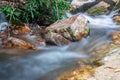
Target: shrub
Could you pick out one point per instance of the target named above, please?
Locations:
(44, 12)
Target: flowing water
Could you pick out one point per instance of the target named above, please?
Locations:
(49, 62)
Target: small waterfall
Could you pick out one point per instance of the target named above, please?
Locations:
(3, 22)
(99, 21)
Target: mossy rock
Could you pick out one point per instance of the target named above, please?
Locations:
(97, 11)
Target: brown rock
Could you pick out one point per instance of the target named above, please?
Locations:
(31, 33)
(117, 19)
(82, 73)
(79, 3)
(116, 37)
(13, 42)
(35, 40)
(21, 29)
(111, 68)
(99, 8)
(71, 29)
(57, 39)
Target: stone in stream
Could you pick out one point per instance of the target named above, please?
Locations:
(56, 39)
(94, 7)
(13, 42)
(67, 30)
(117, 19)
(100, 8)
(115, 37)
(79, 3)
(20, 29)
(30, 35)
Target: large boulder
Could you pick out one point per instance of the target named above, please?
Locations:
(66, 30)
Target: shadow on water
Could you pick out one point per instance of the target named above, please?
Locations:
(16, 64)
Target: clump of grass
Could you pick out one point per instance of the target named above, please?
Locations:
(44, 12)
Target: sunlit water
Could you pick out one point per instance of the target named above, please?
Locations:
(54, 59)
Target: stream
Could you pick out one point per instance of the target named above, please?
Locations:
(49, 62)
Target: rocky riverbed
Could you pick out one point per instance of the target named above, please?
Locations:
(85, 46)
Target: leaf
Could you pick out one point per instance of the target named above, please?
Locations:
(17, 14)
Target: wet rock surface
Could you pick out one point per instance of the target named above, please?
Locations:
(117, 19)
(111, 68)
(12, 42)
(79, 3)
(71, 29)
(100, 8)
(79, 74)
(94, 6)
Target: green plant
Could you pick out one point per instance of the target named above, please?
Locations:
(44, 12)
(11, 13)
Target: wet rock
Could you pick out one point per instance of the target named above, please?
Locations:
(115, 37)
(35, 40)
(71, 29)
(93, 6)
(13, 42)
(111, 67)
(100, 8)
(30, 33)
(79, 3)
(82, 73)
(57, 39)
(117, 19)
(20, 29)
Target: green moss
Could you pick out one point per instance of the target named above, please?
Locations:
(97, 11)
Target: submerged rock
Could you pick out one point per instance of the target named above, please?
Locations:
(71, 29)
